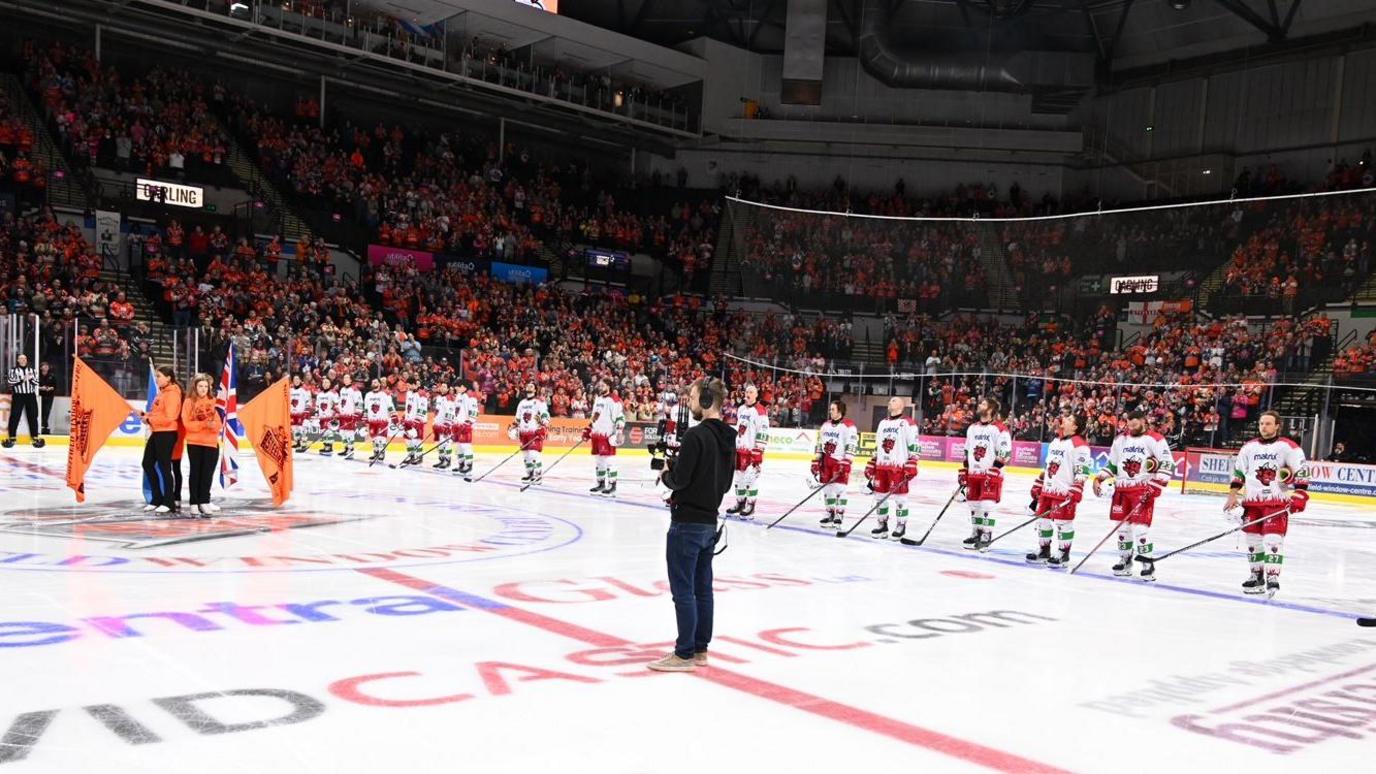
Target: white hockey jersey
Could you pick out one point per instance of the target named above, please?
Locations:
(987, 446)
(531, 415)
(1135, 459)
(350, 402)
(838, 440)
(446, 410)
(1067, 464)
(301, 400)
(378, 407)
(417, 406)
(607, 416)
(1257, 470)
(326, 404)
(468, 410)
(752, 427)
(895, 442)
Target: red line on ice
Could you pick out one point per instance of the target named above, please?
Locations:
(936, 741)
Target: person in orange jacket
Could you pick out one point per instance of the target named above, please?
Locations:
(163, 419)
(203, 423)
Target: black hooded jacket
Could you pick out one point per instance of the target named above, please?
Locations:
(702, 473)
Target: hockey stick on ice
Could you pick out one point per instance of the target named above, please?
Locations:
(1041, 515)
(384, 448)
(556, 462)
(1151, 560)
(394, 465)
(872, 509)
(810, 495)
(923, 539)
(1117, 525)
(493, 469)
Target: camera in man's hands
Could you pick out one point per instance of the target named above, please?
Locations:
(669, 431)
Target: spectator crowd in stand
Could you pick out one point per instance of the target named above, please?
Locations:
(159, 124)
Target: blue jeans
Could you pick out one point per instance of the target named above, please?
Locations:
(688, 551)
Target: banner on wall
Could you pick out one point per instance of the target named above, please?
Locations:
(792, 440)
(517, 274)
(467, 266)
(109, 240)
(380, 255)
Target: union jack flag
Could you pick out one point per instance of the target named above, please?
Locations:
(232, 431)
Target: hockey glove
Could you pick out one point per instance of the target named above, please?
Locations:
(1298, 500)
(1157, 487)
(1077, 491)
(817, 471)
(614, 440)
(1036, 491)
(587, 433)
(511, 433)
(963, 478)
(1099, 485)
(910, 470)
(842, 473)
(756, 458)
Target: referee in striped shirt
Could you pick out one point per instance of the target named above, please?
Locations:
(23, 383)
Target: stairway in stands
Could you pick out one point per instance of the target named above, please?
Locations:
(1002, 289)
(726, 269)
(257, 184)
(65, 188)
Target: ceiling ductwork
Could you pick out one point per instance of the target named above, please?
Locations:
(1020, 72)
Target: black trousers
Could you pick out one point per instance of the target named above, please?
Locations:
(28, 406)
(46, 402)
(157, 465)
(201, 471)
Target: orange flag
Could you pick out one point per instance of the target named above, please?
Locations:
(267, 425)
(96, 411)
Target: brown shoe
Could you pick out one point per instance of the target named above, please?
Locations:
(672, 663)
(700, 658)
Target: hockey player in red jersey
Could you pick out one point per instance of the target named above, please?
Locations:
(893, 467)
(1140, 463)
(1058, 490)
(836, 446)
(988, 447)
(1270, 478)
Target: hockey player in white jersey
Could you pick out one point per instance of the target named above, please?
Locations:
(351, 415)
(446, 414)
(464, 422)
(1140, 464)
(752, 437)
(608, 419)
(892, 468)
(988, 447)
(530, 429)
(301, 400)
(413, 423)
(1270, 479)
(837, 441)
(1058, 490)
(378, 411)
(326, 417)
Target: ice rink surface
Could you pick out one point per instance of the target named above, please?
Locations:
(403, 620)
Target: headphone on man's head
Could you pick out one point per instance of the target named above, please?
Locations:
(704, 393)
